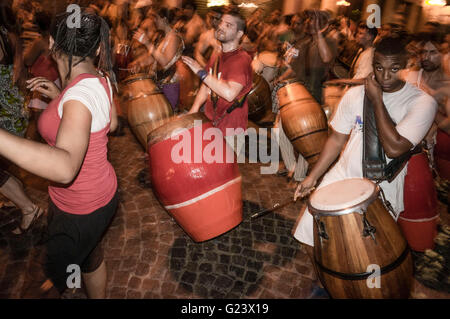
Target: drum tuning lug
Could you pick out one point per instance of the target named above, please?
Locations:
(368, 229)
(322, 231)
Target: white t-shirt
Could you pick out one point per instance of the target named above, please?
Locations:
(92, 94)
(410, 108)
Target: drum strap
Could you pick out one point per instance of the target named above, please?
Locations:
(374, 160)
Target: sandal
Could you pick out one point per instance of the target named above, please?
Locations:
(38, 213)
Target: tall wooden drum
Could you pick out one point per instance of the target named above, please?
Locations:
(332, 95)
(358, 248)
(304, 120)
(259, 99)
(146, 105)
(196, 179)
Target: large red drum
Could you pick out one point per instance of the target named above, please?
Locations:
(195, 176)
(419, 219)
(442, 154)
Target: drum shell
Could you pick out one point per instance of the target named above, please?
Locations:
(419, 219)
(332, 95)
(189, 85)
(348, 251)
(442, 154)
(204, 198)
(304, 121)
(259, 99)
(145, 105)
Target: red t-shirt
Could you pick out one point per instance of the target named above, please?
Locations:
(236, 67)
(96, 182)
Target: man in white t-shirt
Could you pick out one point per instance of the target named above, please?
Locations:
(403, 115)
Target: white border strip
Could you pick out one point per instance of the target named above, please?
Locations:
(419, 220)
(203, 196)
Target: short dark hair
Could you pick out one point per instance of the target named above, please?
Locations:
(391, 46)
(433, 37)
(240, 20)
(189, 3)
(43, 20)
(372, 31)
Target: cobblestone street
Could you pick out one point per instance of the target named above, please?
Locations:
(149, 256)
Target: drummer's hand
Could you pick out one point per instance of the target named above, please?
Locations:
(44, 86)
(305, 187)
(373, 89)
(141, 37)
(194, 65)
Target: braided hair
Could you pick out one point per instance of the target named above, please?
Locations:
(83, 41)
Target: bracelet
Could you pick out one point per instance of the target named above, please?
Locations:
(202, 74)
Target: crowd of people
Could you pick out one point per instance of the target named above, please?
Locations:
(60, 100)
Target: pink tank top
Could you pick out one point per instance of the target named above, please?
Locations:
(96, 182)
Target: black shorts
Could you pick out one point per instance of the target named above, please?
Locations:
(75, 239)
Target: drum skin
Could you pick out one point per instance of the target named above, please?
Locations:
(304, 121)
(348, 252)
(204, 198)
(419, 219)
(146, 105)
(259, 99)
(442, 154)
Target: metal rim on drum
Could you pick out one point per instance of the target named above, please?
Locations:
(358, 207)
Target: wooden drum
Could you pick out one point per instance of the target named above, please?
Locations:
(332, 95)
(146, 105)
(203, 194)
(304, 121)
(358, 248)
(259, 99)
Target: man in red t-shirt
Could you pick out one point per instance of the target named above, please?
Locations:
(231, 83)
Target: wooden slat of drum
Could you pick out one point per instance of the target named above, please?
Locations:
(145, 113)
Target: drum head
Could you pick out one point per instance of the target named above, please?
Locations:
(342, 194)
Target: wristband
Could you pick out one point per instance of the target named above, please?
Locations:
(202, 74)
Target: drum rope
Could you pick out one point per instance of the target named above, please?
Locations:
(387, 203)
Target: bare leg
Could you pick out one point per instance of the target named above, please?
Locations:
(95, 282)
(13, 190)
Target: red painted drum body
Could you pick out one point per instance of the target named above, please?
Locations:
(203, 195)
(442, 154)
(419, 219)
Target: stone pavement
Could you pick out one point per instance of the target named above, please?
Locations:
(149, 256)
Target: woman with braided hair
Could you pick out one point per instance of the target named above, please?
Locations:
(83, 197)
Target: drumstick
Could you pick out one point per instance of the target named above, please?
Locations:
(265, 211)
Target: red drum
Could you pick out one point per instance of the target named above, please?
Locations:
(419, 219)
(202, 194)
(442, 154)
